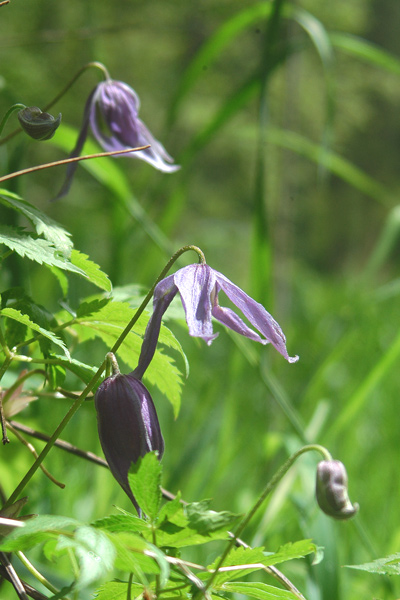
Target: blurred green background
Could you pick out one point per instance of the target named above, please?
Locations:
(296, 202)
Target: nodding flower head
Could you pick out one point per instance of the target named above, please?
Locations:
(128, 425)
(331, 490)
(38, 125)
(199, 287)
(112, 113)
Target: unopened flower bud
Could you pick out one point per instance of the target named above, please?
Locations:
(37, 124)
(331, 490)
(128, 425)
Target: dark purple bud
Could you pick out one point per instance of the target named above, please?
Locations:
(37, 124)
(331, 490)
(128, 425)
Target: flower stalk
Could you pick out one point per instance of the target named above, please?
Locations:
(264, 494)
(92, 383)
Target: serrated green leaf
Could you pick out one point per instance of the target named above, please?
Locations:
(16, 315)
(290, 551)
(95, 552)
(116, 523)
(259, 590)
(44, 225)
(109, 322)
(117, 590)
(203, 520)
(381, 566)
(145, 480)
(174, 530)
(36, 249)
(236, 558)
(90, 270)
(36, 530)
(82, 370)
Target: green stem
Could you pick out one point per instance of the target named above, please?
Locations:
(129, 589)
(96, 65)
(36, 573)
(8, 114)
(79, 401)
(267, 490)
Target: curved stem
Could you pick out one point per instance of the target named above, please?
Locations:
(9, 113)
(92, 383)
(267, 490)
(96, 65)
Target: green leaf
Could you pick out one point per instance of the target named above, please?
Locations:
(175, 531)
(12, 313)
(236, 558)
(117, 590)
(131, 555)
(82, 370)
(95, 552)
(370, 53)
(203, 520)
(381, 566)
(125, 522)
(44, 225)
(36, 249)
(290, 551)
(90, 270)
(109, 322)
(249, 560)
(145, 480)
(36, 530)
(259, 590)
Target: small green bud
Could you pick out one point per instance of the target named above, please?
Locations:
(331, 490)
(37, 124)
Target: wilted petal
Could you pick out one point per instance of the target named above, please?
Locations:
(195, 284)
(256, 314)
(128, 425)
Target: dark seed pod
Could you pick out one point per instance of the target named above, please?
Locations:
(128, 425)
(37, 124)
(331, 490)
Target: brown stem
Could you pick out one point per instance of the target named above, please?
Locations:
(66, 161)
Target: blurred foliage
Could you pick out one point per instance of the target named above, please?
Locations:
(334, 254)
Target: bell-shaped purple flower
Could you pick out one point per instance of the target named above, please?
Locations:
(112, 113)
(199, 286)
(128, 425)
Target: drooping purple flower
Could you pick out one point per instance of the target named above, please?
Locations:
(112, 113)
(199, 286)
(128, 425)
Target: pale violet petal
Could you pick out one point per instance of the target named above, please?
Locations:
(256, 314)
(195, 284)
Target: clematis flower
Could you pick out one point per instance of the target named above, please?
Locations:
(128, 425)
(331, 490)
(199, 286)
(111, 112)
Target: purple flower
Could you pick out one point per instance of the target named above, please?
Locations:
(128, 425)
(199, 287)
(112, 111)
